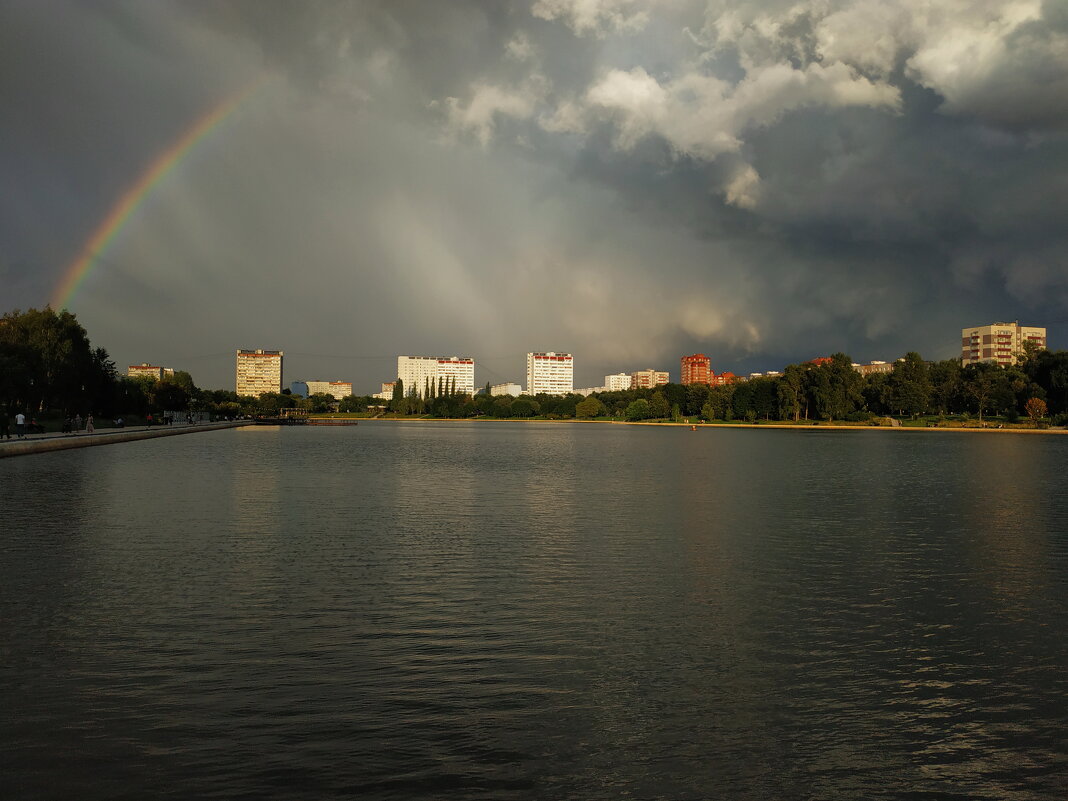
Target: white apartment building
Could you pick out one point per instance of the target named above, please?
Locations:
(387, 391)
(617, 382)
(419, 372)
(587, 391)
(550, 372)
(259, 371)
(506, 389)
(1000, 343)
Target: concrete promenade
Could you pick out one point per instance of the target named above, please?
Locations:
(43, 443)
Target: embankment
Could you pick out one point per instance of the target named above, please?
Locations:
(62, 442)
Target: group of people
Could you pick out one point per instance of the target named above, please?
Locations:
(72, 424)
(22, 428)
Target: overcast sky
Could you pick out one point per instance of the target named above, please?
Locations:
(628, 180)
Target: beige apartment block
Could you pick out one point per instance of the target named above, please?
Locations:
(144, 369)
(339, 389)
(648, 379)
(999, 343)
(259, 371)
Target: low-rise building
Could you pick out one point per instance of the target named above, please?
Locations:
(146, 370)
(874, 368)
(496, 390)
(587, 391)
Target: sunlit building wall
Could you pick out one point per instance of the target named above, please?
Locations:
(999, 343)
(617, 382)
(259, 371)
(647, 379)
(417, 372)
(696, 369)
(550, 373)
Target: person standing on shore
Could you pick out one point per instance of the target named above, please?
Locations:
(20, 424)
(77, 422)
(89, 428)
(5, 432)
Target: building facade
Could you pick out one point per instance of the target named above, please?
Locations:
(514, 390)
(550, 373)
(259, 371)
(617, 382)
(146, 370)
(648, 379)
(420, 373)
(387, 391)
(874, 368)
(696, 369)
(999, 343)
(338, 389)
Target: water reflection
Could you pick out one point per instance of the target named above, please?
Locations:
(517, 611)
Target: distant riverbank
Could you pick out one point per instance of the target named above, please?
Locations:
(776, 426)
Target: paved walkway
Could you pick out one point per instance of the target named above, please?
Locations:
(55, 441)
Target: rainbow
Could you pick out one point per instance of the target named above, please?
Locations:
(119, 215)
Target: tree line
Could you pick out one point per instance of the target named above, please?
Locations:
(47, 363)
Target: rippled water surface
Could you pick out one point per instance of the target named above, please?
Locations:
(506, 611)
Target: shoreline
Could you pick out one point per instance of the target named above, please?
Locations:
(46, 443)
(774, 426)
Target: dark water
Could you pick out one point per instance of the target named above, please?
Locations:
(510, 611)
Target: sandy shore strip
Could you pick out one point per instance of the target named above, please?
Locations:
(777, 426)
(43, 443)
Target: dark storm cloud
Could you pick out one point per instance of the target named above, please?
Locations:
(629, 180)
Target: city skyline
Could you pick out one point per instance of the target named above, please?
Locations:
(636, 180)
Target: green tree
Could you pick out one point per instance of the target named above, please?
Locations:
(590, 407)
(524, 407)
(397, 402)
(910, 385)
(638, 410)
(658, 406)
(790, 390)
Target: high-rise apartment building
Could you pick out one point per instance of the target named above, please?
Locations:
(550, 373)
(648, 379)
(259, 371)
(696, 369)
(1000, 343)
(420, 373)
(617, 382)
(144, 369)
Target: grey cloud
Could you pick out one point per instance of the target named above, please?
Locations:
(627, 180)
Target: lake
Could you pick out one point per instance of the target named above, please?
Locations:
(510, 611)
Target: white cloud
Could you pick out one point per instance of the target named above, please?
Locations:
(743, 189)
(597, 17)
(487, 102)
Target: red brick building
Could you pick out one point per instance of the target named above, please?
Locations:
(696, 369)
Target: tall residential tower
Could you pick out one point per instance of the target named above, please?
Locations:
(259, 371)
(550, 372)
